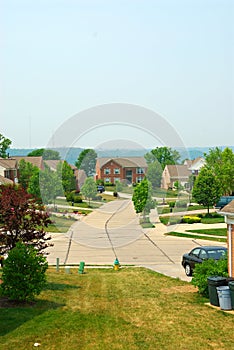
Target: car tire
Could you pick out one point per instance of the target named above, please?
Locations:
(188, 270)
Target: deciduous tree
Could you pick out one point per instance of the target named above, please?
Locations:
(222, 165)
(164, 155)
(206, 189)
(154, 173)
(22, 219)
(47, 154)
(4, 145)
(142, 197)
(89, 189)
(65, 172)
(87, 161)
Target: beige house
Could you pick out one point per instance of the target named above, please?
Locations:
(8, 170)
(174, 173)
(181, 173)
(196, 165)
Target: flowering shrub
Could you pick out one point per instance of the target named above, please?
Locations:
(191, 219)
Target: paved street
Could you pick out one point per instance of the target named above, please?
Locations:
(113, 230)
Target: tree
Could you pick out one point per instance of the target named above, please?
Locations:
(23, 274)
(154, 173)
(4, 145)
(206, 189)
(22, 219)
(50, 185)
(65, 173)
(33, 185)
(142, 197)
(87, 161)
(164, 155)
(47, 154)
(89, 189)
(221, 163)
(26, 170)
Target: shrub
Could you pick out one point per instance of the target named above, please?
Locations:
(172, 204)
(191, 219)
(181, 204)
(175, 220)
(73, 197)
(23, 273)
(209, 268)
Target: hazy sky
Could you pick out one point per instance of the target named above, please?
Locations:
(61, 57)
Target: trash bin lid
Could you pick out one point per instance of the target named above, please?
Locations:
(231, 285)
(223, 288)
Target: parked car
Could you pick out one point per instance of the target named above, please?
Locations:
(199, 254)
(100, 188)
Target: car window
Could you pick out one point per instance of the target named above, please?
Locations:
(195, 252)
(216, 254)
(203, 254)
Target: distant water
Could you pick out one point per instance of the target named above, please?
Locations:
(71, 154)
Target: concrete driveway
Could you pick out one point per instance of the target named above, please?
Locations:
(114, 231)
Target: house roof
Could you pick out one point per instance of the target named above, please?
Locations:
(229, 208)
(5, 181)
(8, 163)
(129, 162)
(178, 171)
(52, 164)
(36, 161)
(197, 163)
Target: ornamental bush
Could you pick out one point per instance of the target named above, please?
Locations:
(23, 273)
(191, 219)
(181, 204)
(209, 268)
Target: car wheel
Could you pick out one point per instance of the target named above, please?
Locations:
(188, 270)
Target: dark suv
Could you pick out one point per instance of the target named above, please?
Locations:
(199, 254)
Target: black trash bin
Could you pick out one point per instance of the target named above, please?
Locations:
(231, 288)
(214, 282)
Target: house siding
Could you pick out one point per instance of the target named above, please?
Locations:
(129, 173)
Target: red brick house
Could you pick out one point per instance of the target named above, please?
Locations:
(131, 169)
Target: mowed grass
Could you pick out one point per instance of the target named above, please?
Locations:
(196, 236)
(132, 308)
(211, 231)
(60, 224)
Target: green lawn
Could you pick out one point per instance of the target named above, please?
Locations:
(204, 220)
(129, 309)
(212, 231)
(187, 235)
(60, 224)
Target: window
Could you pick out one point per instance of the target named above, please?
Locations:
(117, 171)
(203, 255)
(7, 174)
(107, 179)
(195, 252)
(139, 179)
(140, 171)
(107, 171)
(116, 179)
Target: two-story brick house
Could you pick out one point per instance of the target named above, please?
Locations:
(131, 169)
